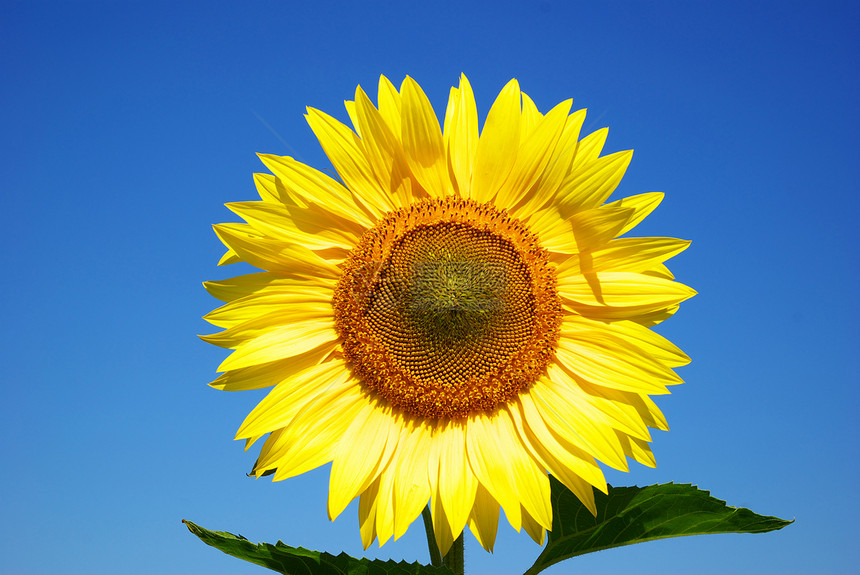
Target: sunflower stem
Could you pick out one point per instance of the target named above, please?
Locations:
(435, 555)
(455, 559)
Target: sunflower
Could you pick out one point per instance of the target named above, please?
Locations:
(453, 319)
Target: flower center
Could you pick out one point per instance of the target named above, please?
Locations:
(447, 308)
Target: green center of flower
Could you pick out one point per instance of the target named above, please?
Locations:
(447, 289)
(447, 308)
(451, 299)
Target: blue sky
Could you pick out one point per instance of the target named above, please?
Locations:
(124, 127)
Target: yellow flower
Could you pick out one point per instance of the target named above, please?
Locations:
(453, 319)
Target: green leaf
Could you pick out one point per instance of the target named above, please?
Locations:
(298, 561)
(628, 515)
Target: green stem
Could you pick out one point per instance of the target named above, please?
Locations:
(435, 555)
(455, 559)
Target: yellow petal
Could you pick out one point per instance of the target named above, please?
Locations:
(641, 204)
(246, 322)
(269, 190)
(564, 418)
(242, 286)
(603, 405)
(533, 528)
(229, 257)
(239, 332)
(389, 104)
(559, 165)
(456, 484)
(484, 518)
(279, 343)
(595, 227)
(432, 445)
(385, 503)
(272, 373)
(556, 233)
(589, 185)
(530, 116)
(383, 150)
(276, 255)
(498, 144)
(273, 441)
(633, 333)
(561, 458)
(367, 509)
(271, 300)
(655, 417)
(504, 467)
(660, 271)
(343, 148)
(486, 451)
(621, 294)
(611, 362)
(242, 229)
(289, 397)
(411, 485)
(441, 527)
(312, 437)
(311, 229)
(557, 459)
(366, 447)
(453, 102)
(534, 155)
(647, 318)
(463, 137)
(422, 140)
(589, 149)
(629, 255)
(312, 186)
(638, 450)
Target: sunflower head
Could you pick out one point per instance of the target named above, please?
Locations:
(447, 308)
(454, 318)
